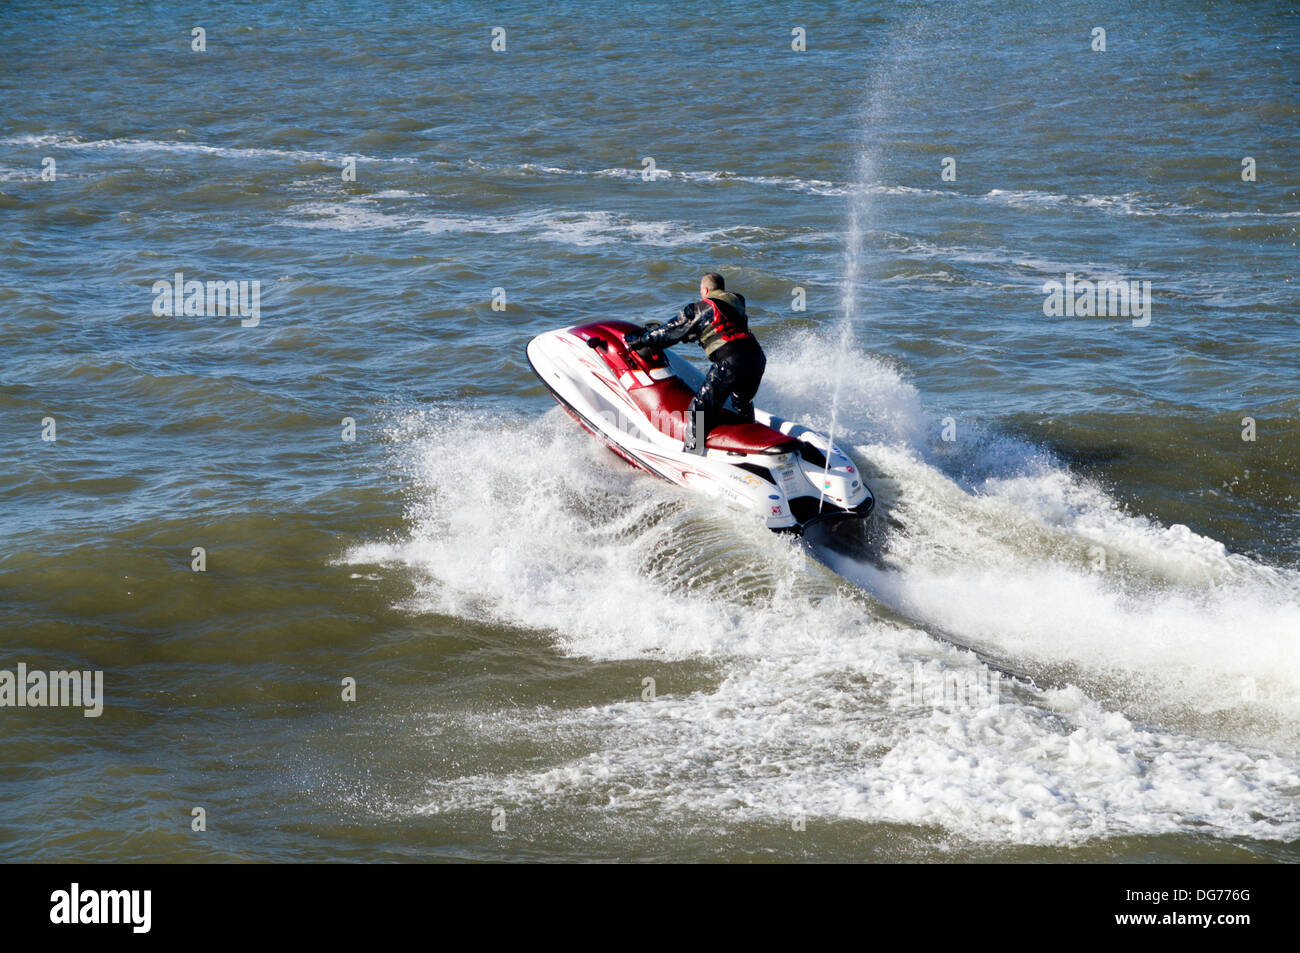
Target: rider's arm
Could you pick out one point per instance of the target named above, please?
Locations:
(678, 329)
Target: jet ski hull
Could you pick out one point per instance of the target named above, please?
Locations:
(789, 475)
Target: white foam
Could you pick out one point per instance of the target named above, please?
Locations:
(534, 525)
(1126, 203)
(60, 141)
(1024, 559)
(1044, 570)
(567, 227)
(706, 176)
(777, 741)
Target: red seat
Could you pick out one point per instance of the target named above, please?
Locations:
(665, 403)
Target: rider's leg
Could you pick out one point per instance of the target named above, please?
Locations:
(749, 374)
(717, 384)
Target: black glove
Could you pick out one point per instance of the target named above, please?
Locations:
(631, 339)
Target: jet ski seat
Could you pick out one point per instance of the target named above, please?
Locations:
(665, 403)
(664, 397)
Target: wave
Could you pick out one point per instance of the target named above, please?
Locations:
(71, 142)
(1024, 558)
(1128, 204)
(791, 183)
(8, 174)
(566, 227)
(814, 709)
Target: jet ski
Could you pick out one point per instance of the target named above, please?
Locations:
(637, 402)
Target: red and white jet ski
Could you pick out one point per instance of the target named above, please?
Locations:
(788, 474)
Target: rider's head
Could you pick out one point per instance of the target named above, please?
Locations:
(711, 282)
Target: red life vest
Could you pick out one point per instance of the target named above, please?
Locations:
(724, 328)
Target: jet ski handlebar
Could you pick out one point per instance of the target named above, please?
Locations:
(598, 343)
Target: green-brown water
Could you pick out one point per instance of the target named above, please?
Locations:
(500, 587)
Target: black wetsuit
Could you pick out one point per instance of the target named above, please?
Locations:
(721, 327)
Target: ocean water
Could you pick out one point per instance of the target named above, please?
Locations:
(1096, 548)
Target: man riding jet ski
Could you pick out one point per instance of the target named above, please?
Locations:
(719, 324)
(636, 399)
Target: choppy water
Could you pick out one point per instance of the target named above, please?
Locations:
(1098, 532)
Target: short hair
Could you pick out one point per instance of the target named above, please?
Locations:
(713, 282)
